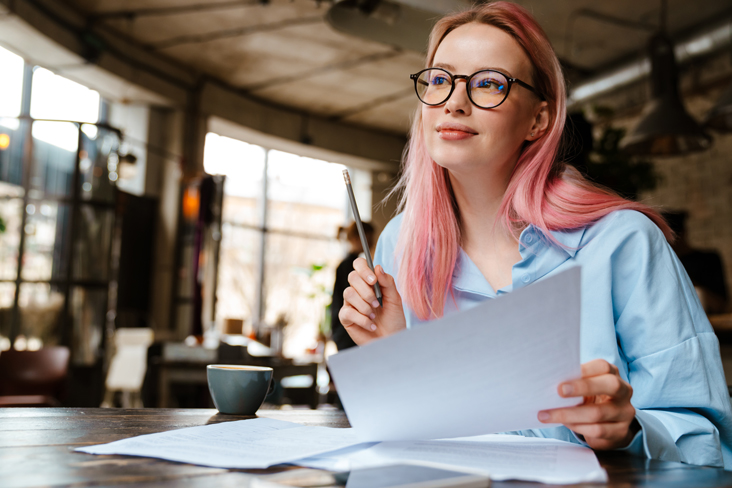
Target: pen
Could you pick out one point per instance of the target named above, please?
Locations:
(362, 234)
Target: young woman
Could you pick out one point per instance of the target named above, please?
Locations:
(488, 208)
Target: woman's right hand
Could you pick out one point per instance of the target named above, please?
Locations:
(361, 315)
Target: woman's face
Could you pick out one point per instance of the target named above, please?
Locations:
(464, 138)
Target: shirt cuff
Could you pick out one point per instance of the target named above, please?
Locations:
(655, 440)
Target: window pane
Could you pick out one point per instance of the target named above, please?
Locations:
(11, 154)
(305, 195)
(243, 165)
(94, 237)
(58, 98)
(47, 238)
(10, 220)
(11, 83)
(238, 273)
(41, 306)
(88, 310)
(7, 296)
(296, 289)
(98, 163)
(54, 157)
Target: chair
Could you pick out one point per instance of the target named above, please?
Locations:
(128, 366)
(33, 378)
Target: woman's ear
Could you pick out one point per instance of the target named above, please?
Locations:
(541, 122)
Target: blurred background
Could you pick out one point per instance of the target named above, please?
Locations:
(170, 172)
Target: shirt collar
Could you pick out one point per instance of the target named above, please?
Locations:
(540, 256)
(569, 239)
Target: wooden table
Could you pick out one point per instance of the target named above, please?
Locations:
(36, 449)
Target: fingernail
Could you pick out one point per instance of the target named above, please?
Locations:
(567, 389)
(375, 303)
(371, 278)
(372, 316)
(543, 416)
(373, 327)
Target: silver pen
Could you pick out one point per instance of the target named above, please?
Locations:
(362, 234)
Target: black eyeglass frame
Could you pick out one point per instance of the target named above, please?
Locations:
(467, 79)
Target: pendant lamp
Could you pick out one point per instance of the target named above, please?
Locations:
(665, 128)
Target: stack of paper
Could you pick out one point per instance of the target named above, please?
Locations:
(485, 370)
(242, 444)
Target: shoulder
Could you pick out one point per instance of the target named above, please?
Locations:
(623, 227)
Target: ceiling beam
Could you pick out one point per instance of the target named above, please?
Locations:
(238, 32)
(343, 65)
(181, 9)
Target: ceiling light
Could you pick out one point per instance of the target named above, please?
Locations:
(665, 128)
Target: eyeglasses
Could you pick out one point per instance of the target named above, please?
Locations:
(486, 89)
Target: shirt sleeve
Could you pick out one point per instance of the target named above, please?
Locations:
(671, 352)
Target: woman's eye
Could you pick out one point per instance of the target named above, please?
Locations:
(439, 80)
(488, 83)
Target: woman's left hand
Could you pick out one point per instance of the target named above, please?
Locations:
(605, 419)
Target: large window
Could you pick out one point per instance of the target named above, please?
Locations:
(279, 253)
(57, 174)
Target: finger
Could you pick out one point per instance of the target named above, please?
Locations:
(606, 384)
(585, 414)
(350, 317)
(352, 298)
(597, 367)
(609, 431)
(364, 290)
(386, 281)
(359, 335)
(362, 268)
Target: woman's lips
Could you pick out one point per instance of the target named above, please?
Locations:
(454, 132)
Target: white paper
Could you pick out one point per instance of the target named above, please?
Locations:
(502, 457)
(488, 369)
(255, 443)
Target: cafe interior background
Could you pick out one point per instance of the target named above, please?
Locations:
(170, 171)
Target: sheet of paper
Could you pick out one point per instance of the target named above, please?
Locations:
(481, 371)
(255, 443)
(502, 457)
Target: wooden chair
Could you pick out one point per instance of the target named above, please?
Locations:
(33, 378)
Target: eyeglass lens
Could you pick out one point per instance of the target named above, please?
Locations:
(487, 88)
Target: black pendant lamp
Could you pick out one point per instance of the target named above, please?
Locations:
(665, 128)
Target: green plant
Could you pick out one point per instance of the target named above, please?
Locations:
(2, 225)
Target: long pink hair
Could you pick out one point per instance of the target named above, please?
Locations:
(542, 190)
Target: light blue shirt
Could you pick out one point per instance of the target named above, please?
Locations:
(639, 312)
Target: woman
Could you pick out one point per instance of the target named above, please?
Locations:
(488, 208)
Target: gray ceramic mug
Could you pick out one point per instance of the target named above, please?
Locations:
(238, 390)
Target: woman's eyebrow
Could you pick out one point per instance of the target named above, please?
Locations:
(452, 69)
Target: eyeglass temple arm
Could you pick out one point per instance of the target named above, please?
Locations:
(528, 87)
(418, 79)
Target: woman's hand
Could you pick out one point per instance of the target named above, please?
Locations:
(361, 315)
(606, 419)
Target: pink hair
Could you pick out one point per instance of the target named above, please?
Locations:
(542, 190)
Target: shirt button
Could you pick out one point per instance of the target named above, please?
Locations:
(526, 278)
(528, 239)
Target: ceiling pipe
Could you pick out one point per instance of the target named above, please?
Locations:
(709, 40)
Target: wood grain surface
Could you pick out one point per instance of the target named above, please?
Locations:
(36, 450)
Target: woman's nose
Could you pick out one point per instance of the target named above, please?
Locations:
(459, 102)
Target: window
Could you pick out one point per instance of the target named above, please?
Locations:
(279, 255)
(46, 267)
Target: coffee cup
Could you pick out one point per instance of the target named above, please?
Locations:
(238, 390)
